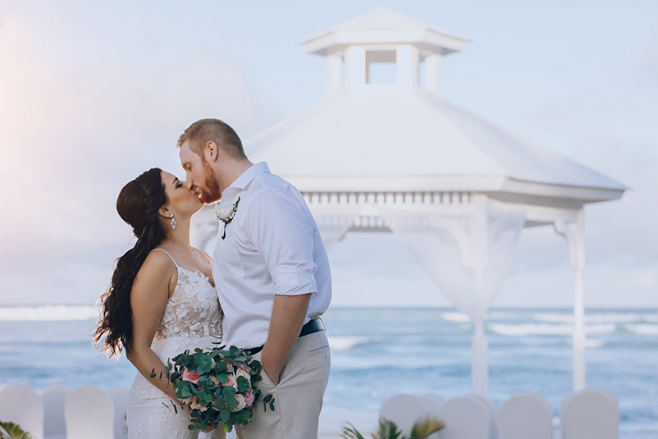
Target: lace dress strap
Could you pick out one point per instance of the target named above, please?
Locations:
(172, 258)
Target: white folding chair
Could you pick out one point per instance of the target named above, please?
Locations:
(466, 418)
(404, 410)
(53, 399)
(525, 415)
(119, 397)
(604, 391)
(89, 414)
(491, 408)
(590, 414)
(22, 406)
(433, 403)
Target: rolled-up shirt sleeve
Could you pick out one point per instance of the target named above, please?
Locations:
(279, 228)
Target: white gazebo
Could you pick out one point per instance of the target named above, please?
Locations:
(456, 189)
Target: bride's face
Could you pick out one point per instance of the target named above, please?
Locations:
(182, 199)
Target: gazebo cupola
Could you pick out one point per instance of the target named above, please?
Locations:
(383, 51)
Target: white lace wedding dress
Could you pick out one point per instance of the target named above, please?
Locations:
(192, 319)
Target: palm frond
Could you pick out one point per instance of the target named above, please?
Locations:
(425, 427)
(350, 432)
(386, 430)
(9, 430)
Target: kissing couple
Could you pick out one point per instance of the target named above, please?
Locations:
(263, 290)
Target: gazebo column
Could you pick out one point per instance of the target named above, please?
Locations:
(576, 239)
(479, 342)
(433, 73)
(334, 73)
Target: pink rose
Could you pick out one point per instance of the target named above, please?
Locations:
(190, 376)
(231, 382)
(196, 406)
(239, 366)
(249, 398)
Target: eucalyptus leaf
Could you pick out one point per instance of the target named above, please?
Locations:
(243, 384)
(228, 392)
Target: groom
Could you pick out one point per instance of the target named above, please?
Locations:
(271, 274)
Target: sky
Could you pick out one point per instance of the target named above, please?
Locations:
(94, 93)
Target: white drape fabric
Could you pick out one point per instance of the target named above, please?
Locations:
(333, 229)
(467, 255)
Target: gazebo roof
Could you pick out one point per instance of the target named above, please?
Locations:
(383, 25)
(415, 138)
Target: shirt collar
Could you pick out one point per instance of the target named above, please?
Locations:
(243, 181)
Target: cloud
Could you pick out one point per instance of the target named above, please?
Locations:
(72, 134)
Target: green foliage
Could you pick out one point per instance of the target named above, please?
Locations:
(216, 399)
(243, 384)
(388, 430)
(9, 430)
(425, 428)
(351, 432)
(268, 401)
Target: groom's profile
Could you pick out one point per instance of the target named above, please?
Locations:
(272, 277)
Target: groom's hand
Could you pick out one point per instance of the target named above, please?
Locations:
(288, 315)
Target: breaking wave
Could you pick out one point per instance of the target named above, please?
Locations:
(546, 329)
(593, 318)
(455, 317)
(643, 329)
(346, 343)
(47, 313)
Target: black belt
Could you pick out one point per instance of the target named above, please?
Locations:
(314, 325)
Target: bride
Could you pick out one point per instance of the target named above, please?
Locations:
(161, 301)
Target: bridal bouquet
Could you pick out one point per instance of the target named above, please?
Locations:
(219, 386)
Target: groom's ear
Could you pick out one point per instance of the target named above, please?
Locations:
(211, 152)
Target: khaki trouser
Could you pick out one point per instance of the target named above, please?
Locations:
(298, 396)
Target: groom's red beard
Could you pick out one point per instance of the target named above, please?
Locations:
(211, 193)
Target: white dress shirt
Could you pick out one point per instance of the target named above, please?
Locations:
(272, 247)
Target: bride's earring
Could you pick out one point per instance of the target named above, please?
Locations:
(173, 221)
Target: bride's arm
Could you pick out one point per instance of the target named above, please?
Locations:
(148, 298)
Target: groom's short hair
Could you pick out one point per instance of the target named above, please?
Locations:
(205, 130)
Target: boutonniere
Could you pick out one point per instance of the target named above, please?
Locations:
(225, 212)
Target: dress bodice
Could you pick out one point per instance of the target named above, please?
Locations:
(192, 310)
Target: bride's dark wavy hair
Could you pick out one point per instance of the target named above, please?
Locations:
(138, 204)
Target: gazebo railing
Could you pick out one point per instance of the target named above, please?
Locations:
(386, 198)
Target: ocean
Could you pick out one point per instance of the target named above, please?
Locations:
(378, 352)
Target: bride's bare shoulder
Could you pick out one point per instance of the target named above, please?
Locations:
(157, 263)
